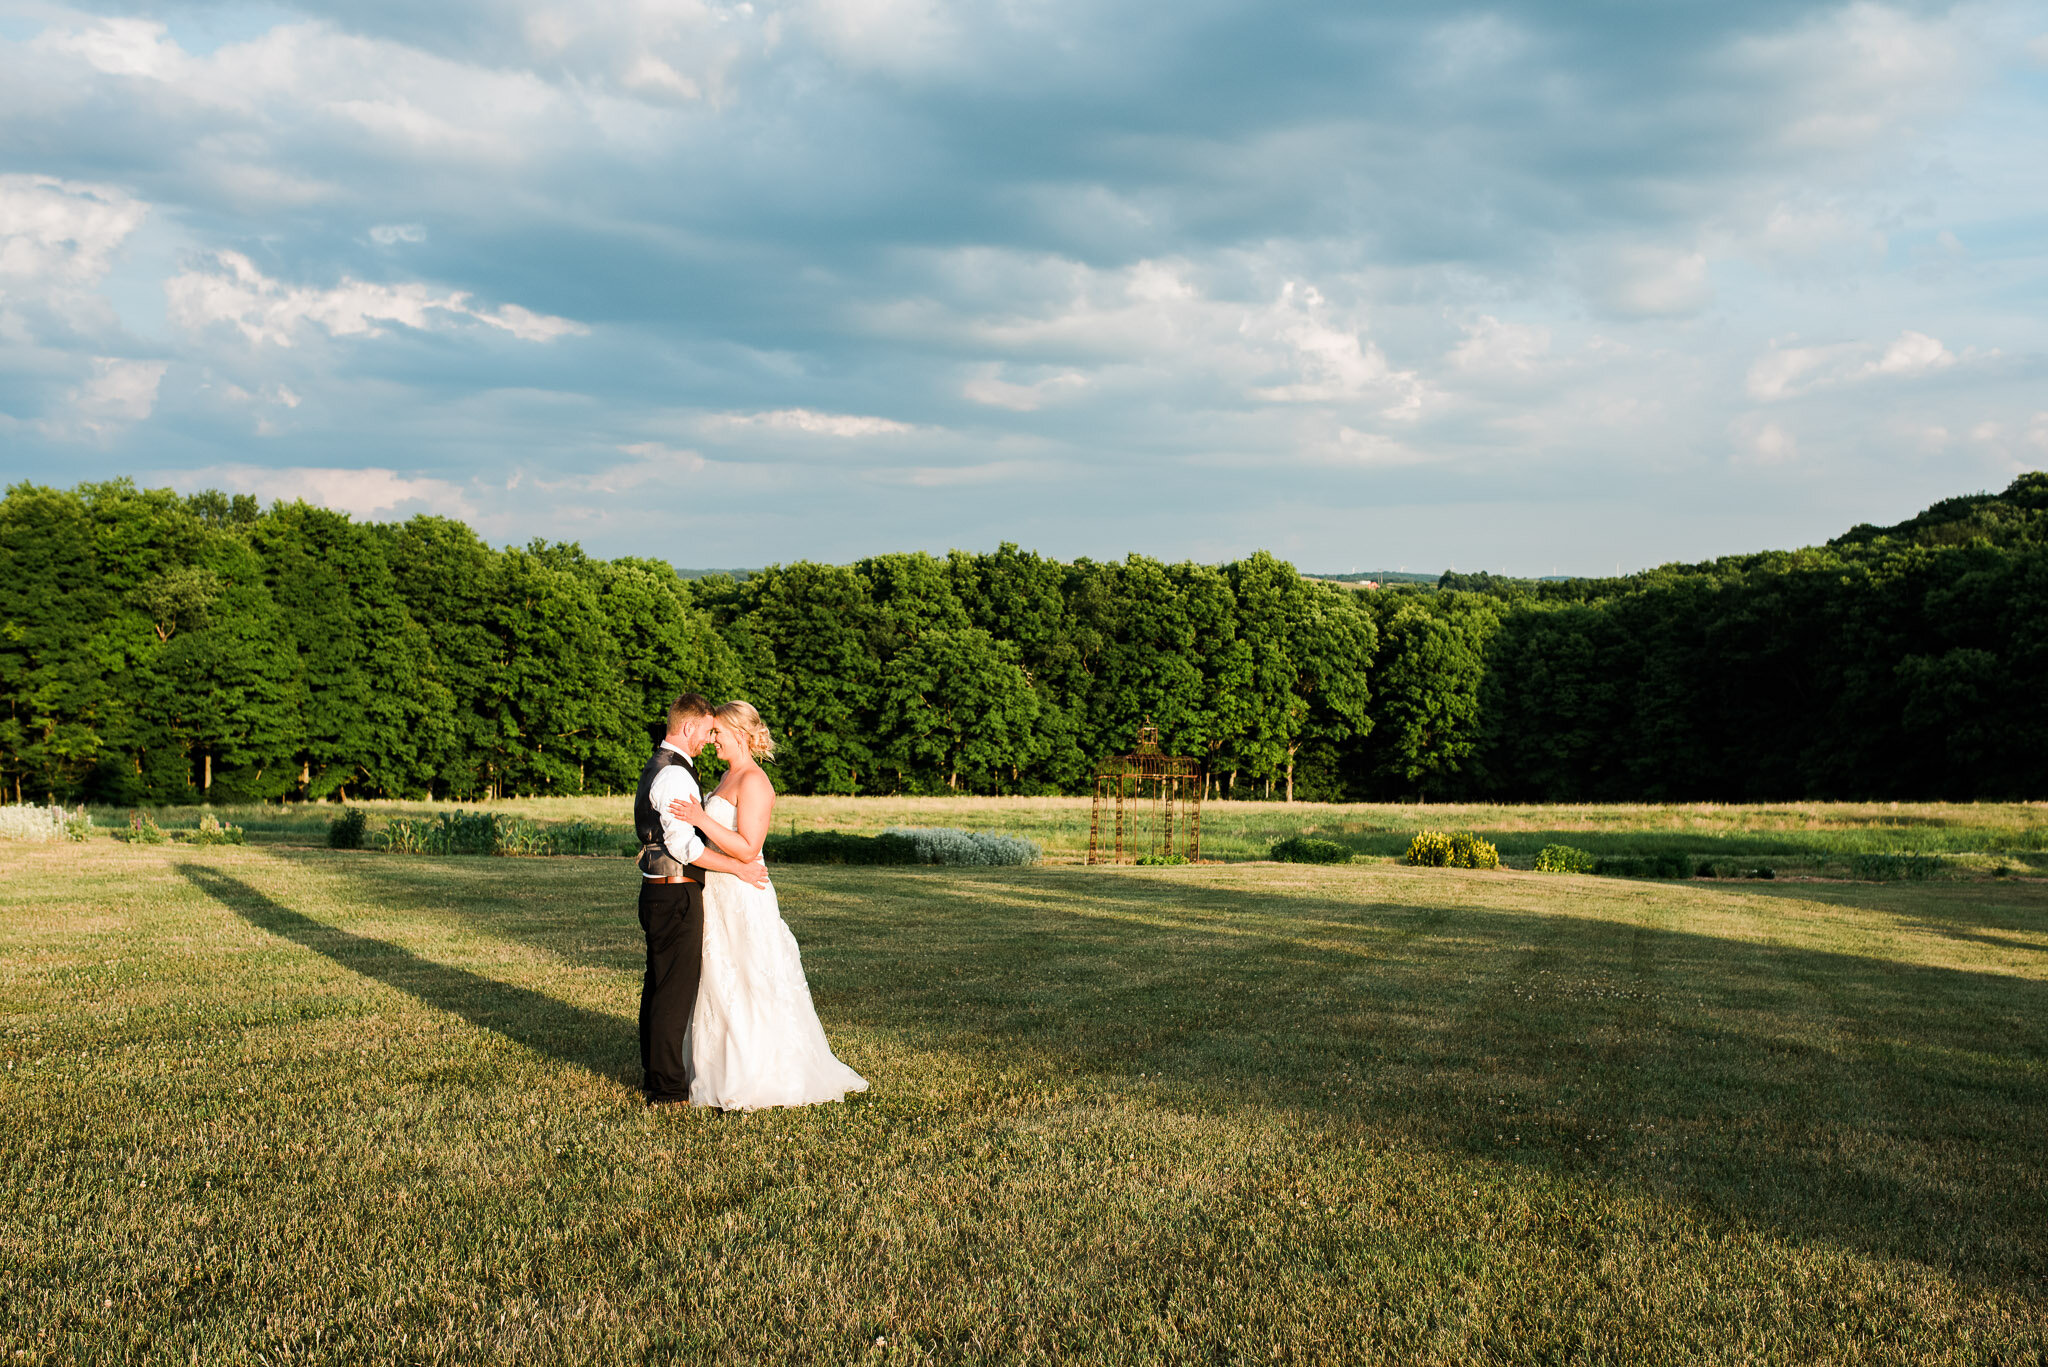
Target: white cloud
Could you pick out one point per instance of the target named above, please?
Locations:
(1852, 77)
(962, 476)
(62, 231)
(1912, 353)
(266, 311)
(988, 388)
(121, 47)
(1763, 443)
(118, 394)
(811, 423)
(1354, 447)
(391, 234)
(1787, 372)
(900, 36)
(1650, 282)
(359, 493)
(1491, 345)
(1801, 234)
(1155, 319)
(1331, 363)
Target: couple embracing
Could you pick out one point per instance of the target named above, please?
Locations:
(725, 1014)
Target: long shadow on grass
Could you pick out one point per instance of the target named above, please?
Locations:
(1887, 1106)
(1876, 1104)
(565, 1033)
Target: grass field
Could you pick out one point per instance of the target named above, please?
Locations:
(1812, 837)
(276, 1103)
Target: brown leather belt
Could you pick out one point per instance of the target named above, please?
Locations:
(669, 878)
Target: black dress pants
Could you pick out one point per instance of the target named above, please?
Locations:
(672, 915)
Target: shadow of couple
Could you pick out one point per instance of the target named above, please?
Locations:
(604, 1044)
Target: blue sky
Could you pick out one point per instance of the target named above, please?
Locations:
(1528, 287)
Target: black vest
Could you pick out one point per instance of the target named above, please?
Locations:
(655, 860)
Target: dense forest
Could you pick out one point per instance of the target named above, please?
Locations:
(158, 648)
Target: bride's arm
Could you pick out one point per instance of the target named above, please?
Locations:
(756, 808)
(715, 832)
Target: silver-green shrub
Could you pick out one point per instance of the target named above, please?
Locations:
(944, 845)
(30, 822)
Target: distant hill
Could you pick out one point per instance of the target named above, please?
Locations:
(1376, 576)
(738, 576)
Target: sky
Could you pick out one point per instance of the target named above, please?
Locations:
(1530, 287)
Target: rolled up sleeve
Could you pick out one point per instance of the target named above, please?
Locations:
(683, 840)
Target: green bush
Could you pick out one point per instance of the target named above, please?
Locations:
(213, 832)
(583, 837)
(347, 831)
(1564, 859)
(79, 827)
(834, 847)
(143, 830)
(1162, 860)
(1464, 850)
(456, 833)
(1644, 866)
(1302, 849)
(1888, 868)
(514, 837)
(499, 834)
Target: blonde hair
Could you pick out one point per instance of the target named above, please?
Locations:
(740, 717)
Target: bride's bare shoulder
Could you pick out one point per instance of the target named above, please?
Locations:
(758, 784)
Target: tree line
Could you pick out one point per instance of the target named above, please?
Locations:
(159, 648)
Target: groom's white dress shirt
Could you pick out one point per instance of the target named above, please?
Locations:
(675, 781)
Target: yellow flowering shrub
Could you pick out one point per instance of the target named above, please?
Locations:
(1436, 850)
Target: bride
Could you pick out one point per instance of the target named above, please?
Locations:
(754, 1039)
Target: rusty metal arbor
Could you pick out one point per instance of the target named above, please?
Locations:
(1151, 803)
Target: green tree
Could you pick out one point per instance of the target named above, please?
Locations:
(376, 714)
(956, 704)
(1426, 709)
(803, 647)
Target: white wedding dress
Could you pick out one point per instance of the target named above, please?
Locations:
(754, 1039)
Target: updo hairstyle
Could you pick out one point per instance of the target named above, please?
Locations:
(740, 718)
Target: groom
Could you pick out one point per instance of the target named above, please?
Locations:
(672, 861)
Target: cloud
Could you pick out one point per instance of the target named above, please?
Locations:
(1491, 346)
(809, 423)
(118, 394)
(1763, 443)
(870, 253)
(1788, 372)
(1848, 77)
(1650, 282)
(1354, 447)
(987, 388)
(265, 311)
(1331, 363)
(963, 476)
(369, 492)
(64, 232)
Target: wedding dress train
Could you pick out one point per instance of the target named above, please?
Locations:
(755, 1039)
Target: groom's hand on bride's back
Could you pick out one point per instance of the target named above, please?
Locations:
(756, 872)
